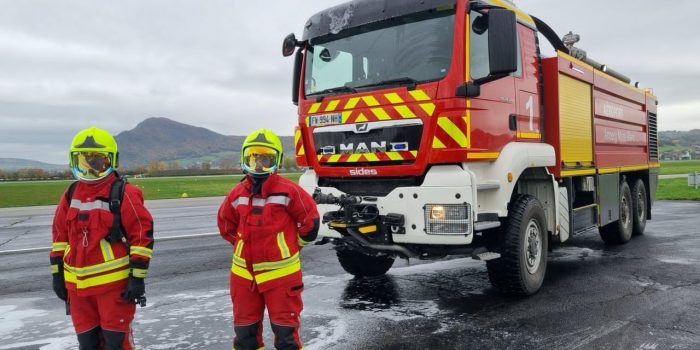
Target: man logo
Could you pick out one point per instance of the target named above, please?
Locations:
(361, 128)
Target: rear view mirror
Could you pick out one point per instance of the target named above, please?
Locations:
(503, 42)
(289, 44)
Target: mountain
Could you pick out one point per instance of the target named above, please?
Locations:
(12, 164)
(679, 144)
(162, 139)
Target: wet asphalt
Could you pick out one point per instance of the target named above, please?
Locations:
(642, 295)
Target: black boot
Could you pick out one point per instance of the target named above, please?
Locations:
(113, 340)
(284, 337)
(89, 340)
(246, 337)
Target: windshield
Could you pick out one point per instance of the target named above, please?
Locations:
(416, 49)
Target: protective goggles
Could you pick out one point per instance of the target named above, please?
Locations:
(91, 165)
(260, 160)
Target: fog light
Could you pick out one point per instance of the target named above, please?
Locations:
(447, 219)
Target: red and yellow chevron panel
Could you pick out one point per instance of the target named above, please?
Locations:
(299, 148)
(388, 106)
(452, 132)
(367, 157)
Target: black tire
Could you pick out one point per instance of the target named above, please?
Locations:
(639, 208)
(361, 265)
(521, 268)
(620, 231)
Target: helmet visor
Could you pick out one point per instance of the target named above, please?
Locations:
(260, 160)
(91, 165)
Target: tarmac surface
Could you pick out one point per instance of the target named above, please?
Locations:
(643, 295)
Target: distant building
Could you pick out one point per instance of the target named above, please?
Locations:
(686, 156)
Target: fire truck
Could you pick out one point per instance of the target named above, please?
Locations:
(430, 128)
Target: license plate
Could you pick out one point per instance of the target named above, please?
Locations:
(324, 119)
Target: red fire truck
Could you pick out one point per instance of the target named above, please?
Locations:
(435, 127)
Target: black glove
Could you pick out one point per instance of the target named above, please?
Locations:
(59, 284)
(135, 289)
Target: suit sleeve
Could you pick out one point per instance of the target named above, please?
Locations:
(227, 219)
(303, 209)
(138, 227)
(59, 235)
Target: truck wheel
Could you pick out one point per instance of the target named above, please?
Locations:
(521, 268)
(620, 231)
(361, 265)
(639, 205)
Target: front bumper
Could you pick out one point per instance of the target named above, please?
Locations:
(445, 184)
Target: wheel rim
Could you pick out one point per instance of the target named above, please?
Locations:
(533, 244)
(625, 212)
(641, 207)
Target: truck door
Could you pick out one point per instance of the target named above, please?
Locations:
(527, 97)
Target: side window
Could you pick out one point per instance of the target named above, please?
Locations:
(479, 48)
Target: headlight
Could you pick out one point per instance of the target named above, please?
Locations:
(447, 219)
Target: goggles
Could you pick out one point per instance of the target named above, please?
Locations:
(91, 166)
(260, 160)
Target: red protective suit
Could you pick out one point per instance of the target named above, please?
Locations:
(96, 270)
(267, 231)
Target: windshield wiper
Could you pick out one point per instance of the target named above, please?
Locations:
(396, 81)
(333, 90)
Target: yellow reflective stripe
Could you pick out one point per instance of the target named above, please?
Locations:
(484, 155)
(394, 155)
(371, 157)
(352, 102)
(282, 244)
(577, 172)
(370, 101)
(279, 273)
(54, 268)
(405, 112)
(143, 251)
(380, 113)
(107, 252)
(454, 132)
(239, 248)
(91, 270)
(139, 273)
(529, 135)
(59, 246)
(241, 272)
(314, 107)
(419, 95)
(96, 281)
(361, 118)
(354, 157)
(238, 261)
(332, 105)
(393, 98)
(437, 143)
(276, 264)
(429, 108)
(368, 229)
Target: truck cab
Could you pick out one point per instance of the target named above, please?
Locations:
(429, 128)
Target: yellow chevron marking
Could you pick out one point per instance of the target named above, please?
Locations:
(334, 158)
(352, 102)
(437, 143)
(332, 105)
(314, 107)
(428, 108)
(380, 113)
(393, 98)
(361, 118)
(405, 112)
(319, 156)
(419, 95)
(370, 101)
(414, 153)
(468, 132)
(297, 136)
(354, 157)
(371, 157)
(454, 132)
(345, 115)
(394, 155)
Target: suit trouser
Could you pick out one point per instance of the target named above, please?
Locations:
(284, 305)
(106, 312)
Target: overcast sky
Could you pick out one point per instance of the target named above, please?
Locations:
(66, 65)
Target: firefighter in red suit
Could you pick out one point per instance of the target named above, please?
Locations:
(268, 219)
(101, 277)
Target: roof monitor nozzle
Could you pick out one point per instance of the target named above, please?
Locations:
(569, 40)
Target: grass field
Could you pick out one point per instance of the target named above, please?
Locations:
(21, 194)
(679, 167)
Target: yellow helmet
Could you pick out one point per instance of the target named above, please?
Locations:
(93, 154)
(261, 153)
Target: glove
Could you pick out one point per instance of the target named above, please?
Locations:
(135, 289)
(59, 284)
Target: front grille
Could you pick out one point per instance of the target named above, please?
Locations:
(653, 138)
(370, 186)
